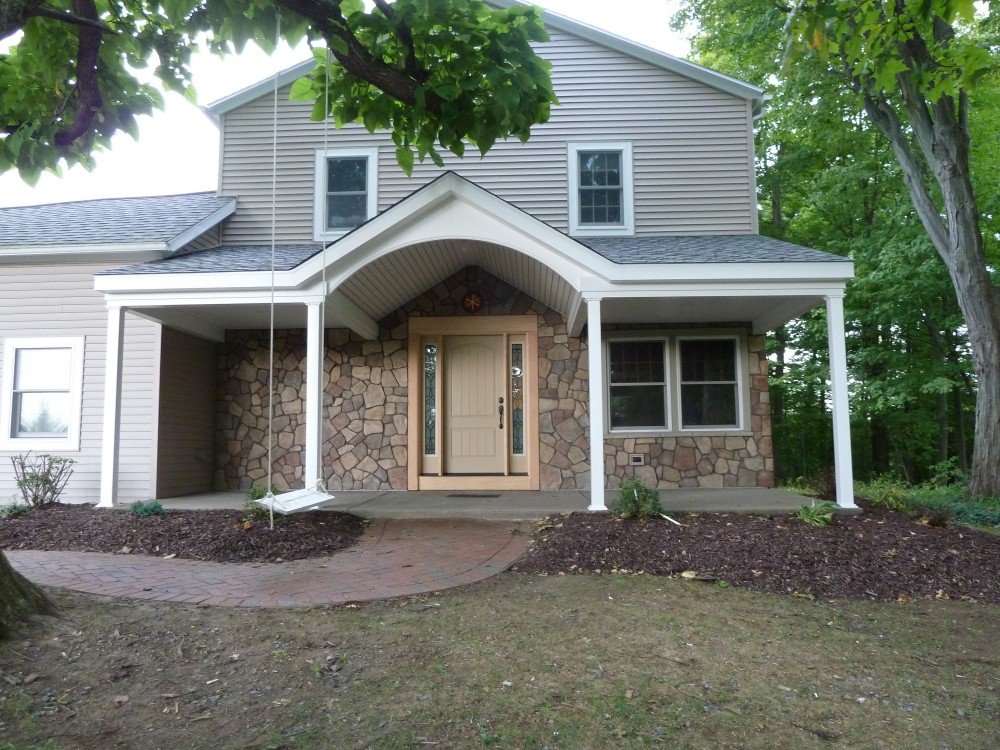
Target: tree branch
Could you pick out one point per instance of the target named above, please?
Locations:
(67, 17)
(88, 92)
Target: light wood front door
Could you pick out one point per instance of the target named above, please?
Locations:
(474, 385)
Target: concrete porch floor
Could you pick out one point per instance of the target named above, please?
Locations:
(514, 506)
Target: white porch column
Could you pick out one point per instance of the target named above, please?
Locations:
(595, 360)
(314, 395)
(843, 468)
(112, 407)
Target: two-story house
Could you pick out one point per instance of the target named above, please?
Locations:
(559, 314)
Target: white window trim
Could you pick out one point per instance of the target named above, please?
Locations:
(672, 352)
(741, 385)
(71, 441)
(627, 227)
(320, 231)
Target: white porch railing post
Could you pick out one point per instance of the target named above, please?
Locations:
(314, 395)
(111, 429)
(595, 360)
(843, 466)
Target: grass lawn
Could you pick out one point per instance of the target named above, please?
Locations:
(518, 661)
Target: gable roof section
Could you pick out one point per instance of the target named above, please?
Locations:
(677, 65)
(165, 223)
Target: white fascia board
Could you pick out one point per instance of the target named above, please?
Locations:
(238, 282)
(118, 253)
(669, 273)
(596, 288)
(218, 108)
(138, 301)
(202, 226)
(686, 68)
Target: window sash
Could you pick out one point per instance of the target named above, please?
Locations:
(601, 193)
(709, 385)
(637, 384)
(41, 394)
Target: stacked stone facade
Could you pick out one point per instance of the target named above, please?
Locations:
(365, 407)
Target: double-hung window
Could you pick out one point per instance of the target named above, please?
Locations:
(674, 383)
(600, 189)
(40, 403)
(346, 193)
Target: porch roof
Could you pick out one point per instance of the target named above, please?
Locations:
(642, 250)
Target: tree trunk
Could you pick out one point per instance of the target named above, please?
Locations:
(19, 599)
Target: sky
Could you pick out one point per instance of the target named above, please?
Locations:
(178, 149)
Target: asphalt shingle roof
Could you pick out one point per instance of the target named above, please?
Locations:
(742, 248)
(225, 258)
(735, 248)
(107, 221)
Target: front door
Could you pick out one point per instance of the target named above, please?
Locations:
(474, 384)
(473, 405)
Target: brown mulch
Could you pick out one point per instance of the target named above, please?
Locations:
(217, 535)
(879, 554)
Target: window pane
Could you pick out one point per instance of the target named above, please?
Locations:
(708, 405)
(42, 369)
(600, 168)
(41, 414)
(430, 399)
(517, 399)
(347, 175)
(708, 360)
(637, 406)
(637, 362)
(346, 211)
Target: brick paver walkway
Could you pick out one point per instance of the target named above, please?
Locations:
(395, 557)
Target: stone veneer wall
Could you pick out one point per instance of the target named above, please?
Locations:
(365, 422)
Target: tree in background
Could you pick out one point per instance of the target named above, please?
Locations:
(829, 178)
(435, 74)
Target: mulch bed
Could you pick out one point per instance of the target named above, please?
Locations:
(217, 535)
(879, 554)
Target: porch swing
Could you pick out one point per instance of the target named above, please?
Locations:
(315, 495)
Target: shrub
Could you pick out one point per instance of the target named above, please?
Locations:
(884, 492)
(817, 514)
(41, 479)
(13, 510)
(636, 500)
(152, 508)
(254, 511)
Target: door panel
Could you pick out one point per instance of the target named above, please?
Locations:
(474, 380)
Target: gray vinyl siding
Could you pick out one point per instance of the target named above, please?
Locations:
(186, 445)
(41, 300)
(203, 241)
(691, 146)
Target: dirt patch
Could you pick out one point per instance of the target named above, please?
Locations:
(519, 661)
(217, 535)
(879, 555)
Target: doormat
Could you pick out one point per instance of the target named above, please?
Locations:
(470, 494)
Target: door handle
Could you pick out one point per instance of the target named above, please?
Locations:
(500, 409)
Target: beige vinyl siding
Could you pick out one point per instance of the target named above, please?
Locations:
(690, 142)
(186, 444)
(203, 241)
(40, 300)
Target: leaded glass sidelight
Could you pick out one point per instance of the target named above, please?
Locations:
(517, 398)
(430, 398)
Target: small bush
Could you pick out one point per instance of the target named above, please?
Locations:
(152, 508)
(41, 479)
(817, 514)
(884, 492)
(13, 510)
(636, 500)
(254, 511)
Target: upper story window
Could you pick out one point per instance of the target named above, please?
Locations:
(600, 189)
(40, 402)
(346, 190)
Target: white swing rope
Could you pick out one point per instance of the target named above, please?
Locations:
(274, 231)
(320, 480)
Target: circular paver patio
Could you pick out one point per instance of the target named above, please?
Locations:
(394, 557)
